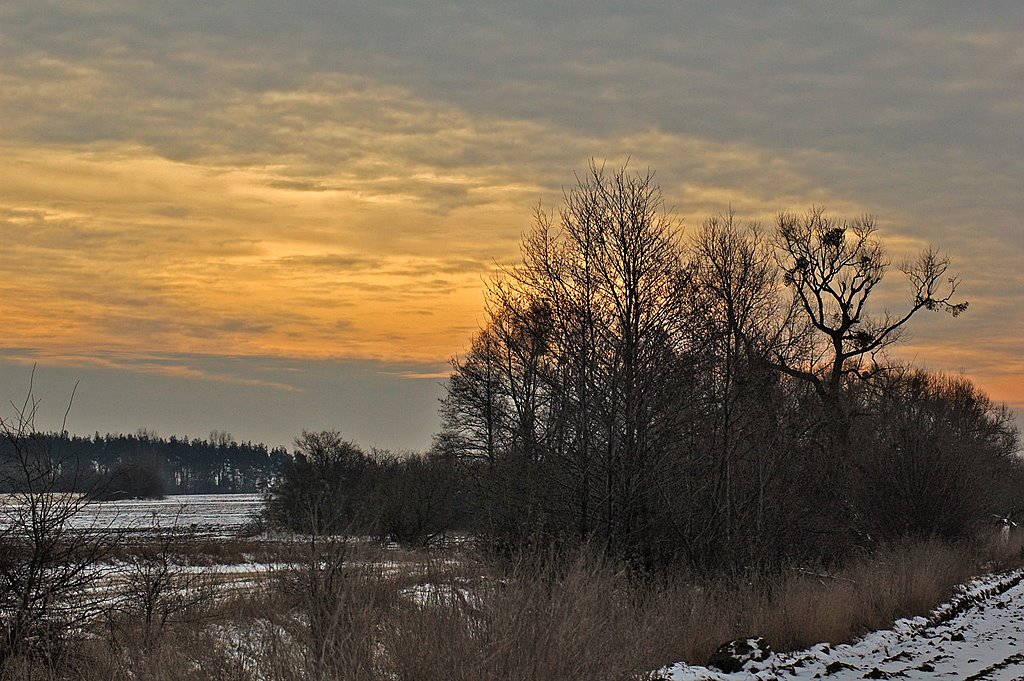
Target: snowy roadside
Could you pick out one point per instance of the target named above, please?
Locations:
(979, 635)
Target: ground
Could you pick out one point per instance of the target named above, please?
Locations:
(977, 636)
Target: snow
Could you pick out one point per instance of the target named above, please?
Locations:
(978, 635)
(205, 514)
(428, 593)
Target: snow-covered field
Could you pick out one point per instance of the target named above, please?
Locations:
(209, 515)
(977, 636)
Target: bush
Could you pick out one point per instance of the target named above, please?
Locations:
(134, 478)
(418, 499)
(936, 458)
(322, 490)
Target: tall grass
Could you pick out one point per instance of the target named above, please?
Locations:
(338, 614)
(796, 608)
(535, 622)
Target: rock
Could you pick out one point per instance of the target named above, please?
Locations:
(732, 656)
(836, 667)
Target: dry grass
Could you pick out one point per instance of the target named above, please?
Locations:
(535, 623)
(343, 611)
(799, 608)
(999, 553)
(206, 550)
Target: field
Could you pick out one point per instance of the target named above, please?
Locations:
(203, 515)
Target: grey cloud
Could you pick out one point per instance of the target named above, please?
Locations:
(910, 110)
(706, 68)
(331, 262)
(304, 185)
(336, 268)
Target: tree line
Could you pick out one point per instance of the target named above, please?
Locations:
(723, 397)
(719, 397)
(145, 465)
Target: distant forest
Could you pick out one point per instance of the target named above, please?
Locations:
(143, 464)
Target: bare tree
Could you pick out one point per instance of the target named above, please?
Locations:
(473, 411)
(587, 333)
(940, 457)
(738, 312)
(614, 266)
(51, 554)
(324, 488)
(157, 587)
(496, 415)
(832, 339)
(832, 267)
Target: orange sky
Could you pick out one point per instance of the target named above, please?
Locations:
(333, 184)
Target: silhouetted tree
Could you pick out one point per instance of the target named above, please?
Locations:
(935, 456)
(832, 267)
(584, 354)
(713, 399)
(323, 488)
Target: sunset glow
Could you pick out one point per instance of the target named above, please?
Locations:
(183, 189)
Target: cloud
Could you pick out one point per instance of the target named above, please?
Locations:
(174, 366)
(336, 179)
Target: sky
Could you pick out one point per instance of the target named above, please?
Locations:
(262, 217)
